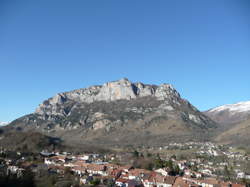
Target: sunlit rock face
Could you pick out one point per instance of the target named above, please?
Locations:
(122, 89)
(117, 90)
(118, 111)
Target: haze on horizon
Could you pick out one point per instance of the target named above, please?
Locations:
(47, 47)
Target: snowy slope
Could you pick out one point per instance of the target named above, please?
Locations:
(231, 113)
(238, 107)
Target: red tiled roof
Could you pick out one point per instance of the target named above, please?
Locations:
(80, 163)
(124, 176)
(127, 167)
(58, 157)
(96, 167)
(179, 182)
(122, 180)
(138, 172)
(78, 168)
(238, 185)
(210, 181)
(158, 178)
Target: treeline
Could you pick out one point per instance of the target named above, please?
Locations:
(26, 180)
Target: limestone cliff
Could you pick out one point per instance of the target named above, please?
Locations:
(119, 112)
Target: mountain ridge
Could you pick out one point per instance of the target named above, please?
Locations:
(230, 113)
(233, 121)
(112, 91)
(242, 106)
(118, 112)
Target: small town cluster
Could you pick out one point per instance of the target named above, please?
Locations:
(103, 169)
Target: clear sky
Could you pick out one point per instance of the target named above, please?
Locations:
(50, 46)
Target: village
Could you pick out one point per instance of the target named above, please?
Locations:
(209, 165)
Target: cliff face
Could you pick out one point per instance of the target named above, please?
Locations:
(119, 112)
(111, 91)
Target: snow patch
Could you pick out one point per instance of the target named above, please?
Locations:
(236, 108)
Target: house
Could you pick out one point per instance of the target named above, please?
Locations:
(137, 173)
(190, 173)
(112, 166)
(182, 164)
(83, 157)
(79, 170)
(134, 183)
(97, 169)
(206, 172)
(114, 173)
(47, 154)
(55, 160)
(128, 183)
(180, 182)
(242, 175)
(61, 158)
(56, 169)
(197, 174)
(208, 182)
(247, 176)
(124, 176)
(163, 171)
(122, 182)
(80, 163)
(126, 168)
(228, 184)
(158, 180)
(238, 185)
(85, 179)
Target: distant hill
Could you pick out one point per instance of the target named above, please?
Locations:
(230, 114)
(29, 141)
(233, 121)
(3, 123)
(118, 113)
(239, 134)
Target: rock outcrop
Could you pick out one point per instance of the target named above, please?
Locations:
(111, 91)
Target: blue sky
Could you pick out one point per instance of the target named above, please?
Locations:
(46, 47)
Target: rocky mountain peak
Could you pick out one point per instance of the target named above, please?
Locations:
(125, 89)
(122, 89)
(116, 90)
(124, 110)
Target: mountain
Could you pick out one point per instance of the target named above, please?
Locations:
(239, 134)
(233, 121)
(36, 142)
(230, 114)
(118, 113)
(3, 123)
(29, 141)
